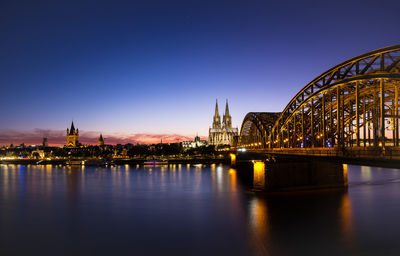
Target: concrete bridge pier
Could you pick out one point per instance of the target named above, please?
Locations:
(290, 174)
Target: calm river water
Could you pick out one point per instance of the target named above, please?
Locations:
(191, 210)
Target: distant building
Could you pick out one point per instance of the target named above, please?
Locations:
(222, 133)
(45, 142)
(72, 137)
(194, 143)
(100, 142)
(38, 153)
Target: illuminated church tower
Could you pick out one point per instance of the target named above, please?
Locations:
(227, 120)
(217, 119)
(222, 134)
(72, 137)
(100, 142)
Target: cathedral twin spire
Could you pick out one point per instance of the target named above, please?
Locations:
(222, 133)
(217, 118)
(227, 119)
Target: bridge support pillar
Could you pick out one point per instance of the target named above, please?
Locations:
(233, 159)
(305, 175)
(292, 174)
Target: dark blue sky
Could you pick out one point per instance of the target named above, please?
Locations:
(128, 67)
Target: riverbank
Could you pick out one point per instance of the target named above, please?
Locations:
(101, 162)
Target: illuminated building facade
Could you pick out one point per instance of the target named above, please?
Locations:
(194, 144)
(72, 137)
(222, 133)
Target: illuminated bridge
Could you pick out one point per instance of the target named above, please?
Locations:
(351, 110)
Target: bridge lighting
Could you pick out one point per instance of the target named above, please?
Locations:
(366, 74)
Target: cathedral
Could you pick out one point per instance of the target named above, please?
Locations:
(72, 137)
(222, 133)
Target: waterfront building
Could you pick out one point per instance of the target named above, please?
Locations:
(72, 137)
(193, 143)
(38, 153)
(100, 141)
(222, 133)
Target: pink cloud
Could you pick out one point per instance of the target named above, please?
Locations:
(58, 137)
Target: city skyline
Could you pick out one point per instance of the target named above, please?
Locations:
(199, 127)
(57, 137)
(135, 71)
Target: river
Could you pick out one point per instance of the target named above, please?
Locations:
(191, 210)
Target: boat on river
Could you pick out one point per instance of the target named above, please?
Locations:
(155, 163)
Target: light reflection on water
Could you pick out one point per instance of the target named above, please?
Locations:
(191, 210)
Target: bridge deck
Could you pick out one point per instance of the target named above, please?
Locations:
(379, 153)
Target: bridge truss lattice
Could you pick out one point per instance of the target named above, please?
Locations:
(353, 104)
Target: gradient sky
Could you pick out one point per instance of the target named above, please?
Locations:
(155, 68)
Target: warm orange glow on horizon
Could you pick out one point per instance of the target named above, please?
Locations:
(57, 138)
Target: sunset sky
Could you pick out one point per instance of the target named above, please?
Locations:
(139, 71)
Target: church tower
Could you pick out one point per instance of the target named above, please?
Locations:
(72, 137)
(227, 120)
(217, 118)
(224, 135)
(100, 142)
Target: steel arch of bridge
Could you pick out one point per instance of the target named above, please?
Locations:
(353, 104)
(256, 128)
